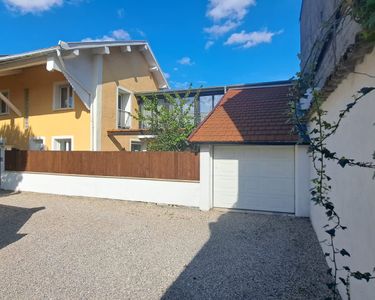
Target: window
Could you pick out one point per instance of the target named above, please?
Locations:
(136, 146)
(217, 98)
(37, 143)
(63, 96)
(123, 110)
(62, 143)
(3, 106)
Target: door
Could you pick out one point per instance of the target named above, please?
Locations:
(254, 178)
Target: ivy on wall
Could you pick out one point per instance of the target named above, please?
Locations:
(320, 131)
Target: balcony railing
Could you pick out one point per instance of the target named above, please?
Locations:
(123, 119)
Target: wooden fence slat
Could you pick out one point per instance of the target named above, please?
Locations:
(159, 165)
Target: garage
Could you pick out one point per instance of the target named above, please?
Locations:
(250, 157)
(254, 177)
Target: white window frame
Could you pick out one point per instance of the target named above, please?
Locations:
(61, 137)
(6, 105)
(56, 86)
(43, 138)
(123, 90)
(136, 141)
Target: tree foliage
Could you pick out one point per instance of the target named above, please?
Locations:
(363, 11)
(170, 119)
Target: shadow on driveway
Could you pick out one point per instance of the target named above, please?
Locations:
(12, 218)
(255, 256)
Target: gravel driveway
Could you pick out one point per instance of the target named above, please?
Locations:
(67, 248)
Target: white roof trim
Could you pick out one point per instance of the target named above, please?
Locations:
(69, 46)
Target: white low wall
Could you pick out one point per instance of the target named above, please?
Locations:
(184, 193)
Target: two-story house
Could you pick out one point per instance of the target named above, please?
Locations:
(69, 96)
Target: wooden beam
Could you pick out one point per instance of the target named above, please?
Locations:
(143, 48)
(154, 69)
(101, 50)
(127, 48)
(10, 104)
(116, 143)
(71, 53)
(131, 132)
(10, 72)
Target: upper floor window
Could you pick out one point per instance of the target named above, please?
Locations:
(63, 96)
(123, 109)
(3, 106)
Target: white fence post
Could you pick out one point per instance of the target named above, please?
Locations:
(206, 164)
(302, 181)
(2, 161)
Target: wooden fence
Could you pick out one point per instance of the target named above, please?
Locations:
(161, 165)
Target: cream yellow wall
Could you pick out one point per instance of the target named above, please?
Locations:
(129, 71)
(43, 120)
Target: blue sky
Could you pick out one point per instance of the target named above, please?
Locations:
(203, 42)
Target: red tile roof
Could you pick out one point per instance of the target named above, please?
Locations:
(252, 115)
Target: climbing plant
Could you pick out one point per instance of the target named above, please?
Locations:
(318, 133)
(317, 136)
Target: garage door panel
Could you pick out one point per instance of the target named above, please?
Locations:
(254, 177)
(267, 186)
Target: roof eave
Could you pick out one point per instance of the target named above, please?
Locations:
(249, 142)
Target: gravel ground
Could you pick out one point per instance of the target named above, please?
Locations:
(60, 247)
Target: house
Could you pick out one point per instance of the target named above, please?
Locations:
(250, 158)
(341, 62)
(69, 97)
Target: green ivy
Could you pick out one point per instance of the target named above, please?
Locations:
(363, 12)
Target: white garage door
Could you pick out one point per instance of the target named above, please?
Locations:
(254, 177)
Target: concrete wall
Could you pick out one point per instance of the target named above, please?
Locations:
(130, 71)
(353, 189)
(43, 120)
(314, 25)
(184, 193)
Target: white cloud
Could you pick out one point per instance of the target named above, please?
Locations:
(115, 35)
(209, 44)
(226, 16)
(121, 34)
(180, 85)
(167, 75)
(219, 30)
(228, 9)
(32, 6)
(185, 61)
(120, 13)
(140, 32)
(251, 39)
(175, 69)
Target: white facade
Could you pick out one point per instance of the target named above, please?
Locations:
(353, 188)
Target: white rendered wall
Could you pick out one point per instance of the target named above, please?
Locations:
(353, 189)
(184, 193)
(206, 173)
(302, 181)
